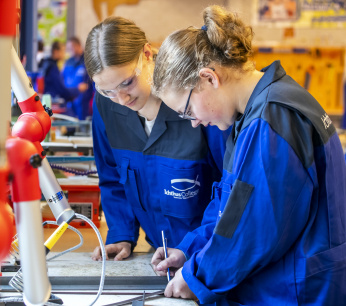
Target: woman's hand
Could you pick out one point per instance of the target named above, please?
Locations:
(174, 261)
(120, 250)
(178, 288)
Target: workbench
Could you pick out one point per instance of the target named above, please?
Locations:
(77, 279)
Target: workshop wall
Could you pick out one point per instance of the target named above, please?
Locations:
(158, 18)
(319, 64)
(275, 33)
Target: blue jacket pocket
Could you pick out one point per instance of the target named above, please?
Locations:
(181, 192)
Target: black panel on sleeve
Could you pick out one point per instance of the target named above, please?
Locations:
(234, 209)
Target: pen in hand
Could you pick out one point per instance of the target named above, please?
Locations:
(164, 242)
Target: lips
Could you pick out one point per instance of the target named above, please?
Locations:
(132, 103)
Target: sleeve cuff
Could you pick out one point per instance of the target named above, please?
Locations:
(114, 238)
(204, 295)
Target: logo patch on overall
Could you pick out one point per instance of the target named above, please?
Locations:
(183, 188)
(326, 121)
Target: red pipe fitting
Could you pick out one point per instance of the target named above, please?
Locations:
(32, 126)
(21, 154)
(33, 104)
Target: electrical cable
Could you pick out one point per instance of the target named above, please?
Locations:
(70, 249)
(17, 280)
(103, 252)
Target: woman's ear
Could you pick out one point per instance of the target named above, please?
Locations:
(148, 53)
(209, 77)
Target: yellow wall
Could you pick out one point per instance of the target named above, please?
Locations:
(319, 70)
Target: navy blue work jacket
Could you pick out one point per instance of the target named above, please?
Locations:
(74, 73)
(161, 182)
(53, 81)
(275, 232)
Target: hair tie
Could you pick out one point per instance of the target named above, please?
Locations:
(204, 28)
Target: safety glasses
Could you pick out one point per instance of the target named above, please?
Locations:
(126, 85)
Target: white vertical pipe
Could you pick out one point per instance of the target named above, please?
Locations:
(20, 82)
(32, 252)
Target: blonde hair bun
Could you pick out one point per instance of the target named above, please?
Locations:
(227, 32)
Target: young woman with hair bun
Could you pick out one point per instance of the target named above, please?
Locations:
(275, 231)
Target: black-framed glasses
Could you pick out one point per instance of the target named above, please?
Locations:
(185, 115)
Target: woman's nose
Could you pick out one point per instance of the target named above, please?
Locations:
(195, 123)
(122, 98)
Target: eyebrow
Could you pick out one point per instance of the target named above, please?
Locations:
(131, 76)
(117, 85)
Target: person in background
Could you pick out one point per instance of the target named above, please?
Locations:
(53, 81)
(40, 53)
(155, 170)
(275, 231)
(74, 73)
